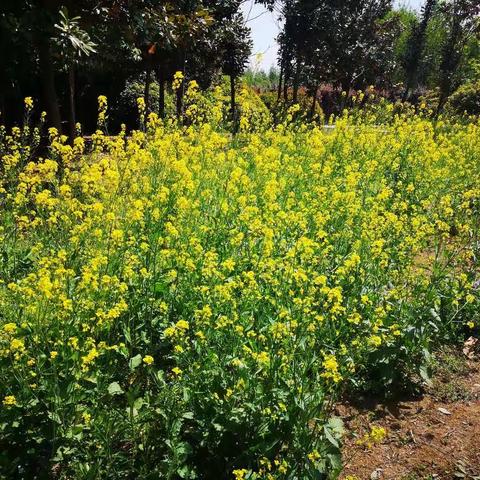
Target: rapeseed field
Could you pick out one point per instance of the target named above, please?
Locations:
(181, 302)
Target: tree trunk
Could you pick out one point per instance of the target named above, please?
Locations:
(415, 45)
(3, 117)
(450, 61)
(296, 83)
(286, 78)
(233, 105)
(148, 81)
(232, 97)
(181, 90)
(179, 103)
(161, 91)
(314, 102)
(71, 91)
(346, 86)
(441, 103)
(279, 87)
(47, 79)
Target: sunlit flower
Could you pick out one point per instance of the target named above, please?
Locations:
(148, 359)
(9, 401)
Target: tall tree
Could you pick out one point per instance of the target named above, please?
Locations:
(236, 47)
(347, 43)
(415, 47)
(462, 21)
(74, 43)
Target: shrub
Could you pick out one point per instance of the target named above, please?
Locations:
(466, 100)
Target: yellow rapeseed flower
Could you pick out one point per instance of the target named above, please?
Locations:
(10, 327)
(240, 473)
(9, 401)
(148, 359)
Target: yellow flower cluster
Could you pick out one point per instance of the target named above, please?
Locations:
(177, 80)
(374, 437)
(236, 284)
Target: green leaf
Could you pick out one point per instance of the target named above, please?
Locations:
(160, 288)
(135, 362)
(183, 472)
(335, 461)
(115, 389)
(55, 417)
(92, 379)
(425, 374)
(138, 403)
(331, 438)
(335, 424)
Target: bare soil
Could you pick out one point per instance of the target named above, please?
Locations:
(435, 436)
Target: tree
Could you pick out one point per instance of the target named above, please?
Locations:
(403, 21)
(346, 43)
(39, 30)
(293, 43)
(236, 47)
(74, 43)
(462, 22)
(17, 62)
(415, 47)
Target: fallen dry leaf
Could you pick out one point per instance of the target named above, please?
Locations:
(469, 347)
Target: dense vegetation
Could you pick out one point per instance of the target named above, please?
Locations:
(328, 48)
(184, 303)
(196, 268)
(66, 53)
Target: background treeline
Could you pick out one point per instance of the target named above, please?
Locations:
(67, 52)
(330, 47)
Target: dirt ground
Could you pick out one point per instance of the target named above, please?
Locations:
(435, 436)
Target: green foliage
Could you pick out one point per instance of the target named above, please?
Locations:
(180, 302)
(462, 20)
(415, 46)
(125, 107)
(72, 41)
(347, 43)
(406, 20)
(466, 100)
(236, 46)
(262, 80)
(470, 68)
(280, 110)
(430, 63)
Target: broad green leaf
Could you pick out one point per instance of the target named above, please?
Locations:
(115, 389)
(135, 362)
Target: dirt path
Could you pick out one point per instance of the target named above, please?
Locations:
(435, 437)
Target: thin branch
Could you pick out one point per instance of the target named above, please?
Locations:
(258, 16)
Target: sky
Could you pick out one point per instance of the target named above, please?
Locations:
(265, 27)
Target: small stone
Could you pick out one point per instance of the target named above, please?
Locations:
(376, 474)
(444, 411)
